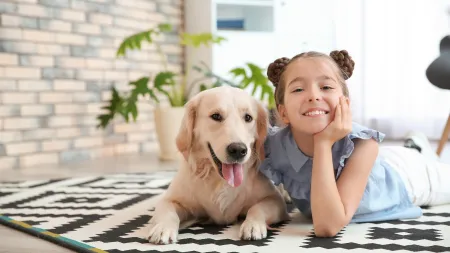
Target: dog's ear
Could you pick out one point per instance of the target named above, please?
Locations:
(185, 134)
(262, 124)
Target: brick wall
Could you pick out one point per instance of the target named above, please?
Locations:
(57, 63)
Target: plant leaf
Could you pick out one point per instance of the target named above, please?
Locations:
(164, 78)
(152, 95)
(238, 72)
(132, 108)
(126, 105)
(114, 106)
(257, 79)
(135, 41)
(165, 27)
(203, 87)
(140, 86)
(198, 39)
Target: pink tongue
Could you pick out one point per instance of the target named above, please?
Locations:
(233, 174)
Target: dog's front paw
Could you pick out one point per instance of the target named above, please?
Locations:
(253, 230)
(163, 232)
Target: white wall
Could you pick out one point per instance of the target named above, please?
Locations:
(395, 43)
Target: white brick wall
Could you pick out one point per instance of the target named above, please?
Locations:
(57, 63)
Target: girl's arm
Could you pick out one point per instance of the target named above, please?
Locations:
(333, 204)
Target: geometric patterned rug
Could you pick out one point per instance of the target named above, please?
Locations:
(110, 214)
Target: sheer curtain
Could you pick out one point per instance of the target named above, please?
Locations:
(393, 42)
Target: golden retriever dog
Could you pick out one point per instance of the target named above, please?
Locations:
(222, 131)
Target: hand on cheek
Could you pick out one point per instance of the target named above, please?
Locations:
(340, 126)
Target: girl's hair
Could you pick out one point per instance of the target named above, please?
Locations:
(341, 62)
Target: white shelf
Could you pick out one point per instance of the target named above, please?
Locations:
(244, 17)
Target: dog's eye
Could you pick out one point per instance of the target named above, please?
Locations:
(248, 118)
(216, 117)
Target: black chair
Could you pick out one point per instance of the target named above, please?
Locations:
(438, 73)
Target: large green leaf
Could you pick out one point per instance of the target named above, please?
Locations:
(126, 105)
(257, 80)
(135, 41)
(162, 79)
(114, 106)
(140, 86)
(140, 89)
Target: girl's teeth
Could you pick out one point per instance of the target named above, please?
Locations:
(314, 113)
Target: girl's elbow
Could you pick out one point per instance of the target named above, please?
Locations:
(330, 229)
(326, 231)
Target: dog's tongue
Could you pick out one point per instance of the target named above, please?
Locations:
(233, 174)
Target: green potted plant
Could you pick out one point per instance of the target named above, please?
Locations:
(175, 88)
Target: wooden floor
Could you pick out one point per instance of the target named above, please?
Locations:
(13, 241)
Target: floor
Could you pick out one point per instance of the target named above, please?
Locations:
(13, 241)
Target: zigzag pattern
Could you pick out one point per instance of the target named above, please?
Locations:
(111, 212)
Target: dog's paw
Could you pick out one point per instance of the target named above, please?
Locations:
(286, 197)
(253, 230)
(164, 232)
(284, 193)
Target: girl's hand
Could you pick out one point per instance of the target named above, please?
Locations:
(340, 126)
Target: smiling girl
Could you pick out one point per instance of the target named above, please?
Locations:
(333, 168)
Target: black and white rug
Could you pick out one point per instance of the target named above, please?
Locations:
(110, 213)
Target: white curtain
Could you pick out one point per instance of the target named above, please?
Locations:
(393, 42)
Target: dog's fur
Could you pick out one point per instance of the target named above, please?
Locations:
(198, 190)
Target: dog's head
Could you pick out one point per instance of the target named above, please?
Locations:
(225, 125)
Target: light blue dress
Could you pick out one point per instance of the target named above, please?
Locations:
(385, 196)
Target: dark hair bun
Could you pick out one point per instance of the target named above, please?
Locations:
(276, 68)
(344, 61)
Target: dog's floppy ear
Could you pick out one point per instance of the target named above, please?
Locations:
(262, 124)
(185, 134)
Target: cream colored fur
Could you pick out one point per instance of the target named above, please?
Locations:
(198, 191)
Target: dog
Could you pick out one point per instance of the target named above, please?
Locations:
(221, 135)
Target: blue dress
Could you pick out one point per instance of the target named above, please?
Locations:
(385, 196)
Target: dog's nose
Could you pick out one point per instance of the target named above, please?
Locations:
(237, 150)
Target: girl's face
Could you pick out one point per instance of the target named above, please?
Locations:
(312, 92)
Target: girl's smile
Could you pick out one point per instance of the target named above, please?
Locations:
(315, 112)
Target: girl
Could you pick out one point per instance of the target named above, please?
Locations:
(333, 169)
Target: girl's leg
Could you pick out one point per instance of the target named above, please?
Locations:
(426, 179)
(438, 173)
(412, 168)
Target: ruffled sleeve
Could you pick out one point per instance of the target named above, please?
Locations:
(266, 166)
(358, 132)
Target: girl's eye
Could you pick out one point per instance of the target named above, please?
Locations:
(326, 87)
(297, 90)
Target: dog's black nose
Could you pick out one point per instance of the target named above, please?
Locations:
(237, 150)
